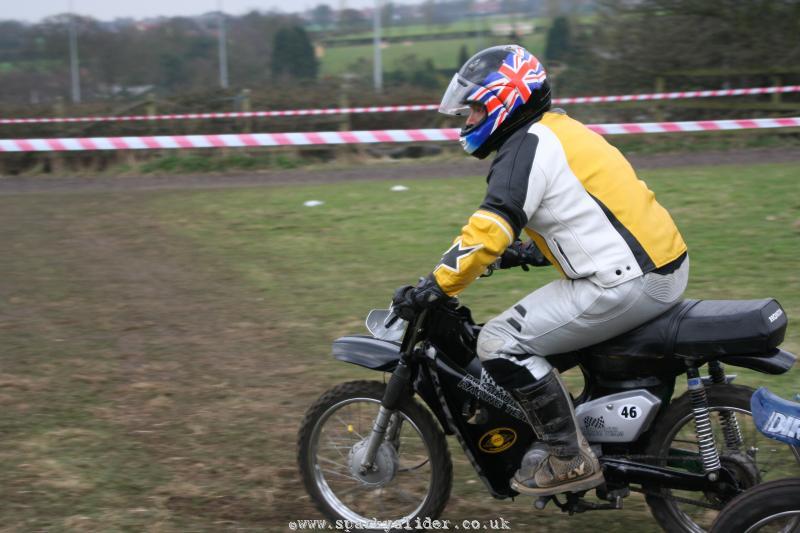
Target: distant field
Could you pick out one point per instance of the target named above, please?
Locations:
(444, 53)
(159, 348)
(476, 24)
(473, 24)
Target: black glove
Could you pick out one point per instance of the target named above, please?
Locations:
(520, 254)
(408, 300)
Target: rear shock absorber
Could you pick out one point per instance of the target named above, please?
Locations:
(730, 426)
(702, 423)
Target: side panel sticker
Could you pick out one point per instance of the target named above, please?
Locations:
(497, 440)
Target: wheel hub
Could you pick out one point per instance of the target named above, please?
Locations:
(742, 469)
(383, 469)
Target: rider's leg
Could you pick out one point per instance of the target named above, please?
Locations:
(560, 317)
(561, 460)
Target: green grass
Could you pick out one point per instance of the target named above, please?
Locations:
(422, 30)
(160, 348)
(444, 53)
(474, 24)
(741, 225)
(204, 163)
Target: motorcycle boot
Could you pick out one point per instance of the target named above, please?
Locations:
(562, 460)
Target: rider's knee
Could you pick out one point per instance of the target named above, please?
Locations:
(491, 341)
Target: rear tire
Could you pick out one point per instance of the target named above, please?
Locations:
(759, 504)
(370, 393)
(664, 509)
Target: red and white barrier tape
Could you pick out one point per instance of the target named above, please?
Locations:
(395, 108)
(694, 126)
(677, 95)
(166, 142)
(237, 114)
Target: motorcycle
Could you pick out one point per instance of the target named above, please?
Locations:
(772, 506)
(373, 456)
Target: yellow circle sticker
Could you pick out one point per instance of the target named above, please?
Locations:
(497, 440)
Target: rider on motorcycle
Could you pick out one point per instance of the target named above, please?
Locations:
(622, 258)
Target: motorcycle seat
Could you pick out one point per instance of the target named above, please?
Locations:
(704, 329)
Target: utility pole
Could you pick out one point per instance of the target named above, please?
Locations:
(223, 48)
(73, 57)
(377, 71)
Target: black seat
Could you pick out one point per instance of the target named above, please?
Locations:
(704, 329)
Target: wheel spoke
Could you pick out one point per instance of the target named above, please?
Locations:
(335, 445)
(345, 467)
(339, 418)
(342, 444)
(405, 495)
(347, 423)
(334, 472)
(338, 450)
(360, 486)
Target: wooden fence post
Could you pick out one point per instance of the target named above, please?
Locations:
(658, 110)
(55, 160)
(150, 105)
(246, 107)
(776, 97)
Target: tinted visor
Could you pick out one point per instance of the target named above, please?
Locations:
(454, 101)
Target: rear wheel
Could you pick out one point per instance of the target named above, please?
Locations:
(413, 472)
(674, 444)
(773, 506)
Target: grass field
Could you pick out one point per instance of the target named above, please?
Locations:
(443, 53)
(423, 30)
(160, 348)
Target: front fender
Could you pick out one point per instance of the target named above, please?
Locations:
(367, 351)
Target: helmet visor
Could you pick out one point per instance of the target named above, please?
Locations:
(454, 101)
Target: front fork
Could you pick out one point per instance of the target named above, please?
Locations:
(387, 423)
(702, 420)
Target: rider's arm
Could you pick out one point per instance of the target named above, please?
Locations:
(515, 189)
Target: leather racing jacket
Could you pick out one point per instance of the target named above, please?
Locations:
(580, 201)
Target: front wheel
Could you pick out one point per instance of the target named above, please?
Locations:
(773, 506)
(674, 443)
(413, 471)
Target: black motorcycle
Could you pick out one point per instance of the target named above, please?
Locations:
(372, 456)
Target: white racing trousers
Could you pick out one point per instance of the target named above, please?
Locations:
(567, 314)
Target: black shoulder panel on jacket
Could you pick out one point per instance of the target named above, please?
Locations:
(508, 179)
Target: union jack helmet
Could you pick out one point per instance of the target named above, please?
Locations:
(512, 86)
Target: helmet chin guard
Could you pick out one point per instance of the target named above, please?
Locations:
(509, 82)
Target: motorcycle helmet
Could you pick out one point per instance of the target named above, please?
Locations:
(512, 86)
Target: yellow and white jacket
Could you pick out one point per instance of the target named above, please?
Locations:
(577, 197)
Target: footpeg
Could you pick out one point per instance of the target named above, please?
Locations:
(611, 495)
(542, 501)
(576, 504)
